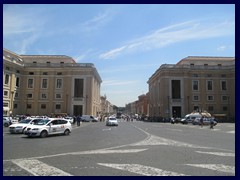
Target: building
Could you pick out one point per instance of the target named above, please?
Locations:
(49, 84)
(106, 106)
(194, 84)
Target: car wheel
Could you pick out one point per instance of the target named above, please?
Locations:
(66, 132)
(6, 125)
(43, 134)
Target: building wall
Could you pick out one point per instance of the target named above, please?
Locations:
(216, 101)
(37, 100)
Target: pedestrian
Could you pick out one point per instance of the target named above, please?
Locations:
(201, 121)
(78, 120)
(211, 123)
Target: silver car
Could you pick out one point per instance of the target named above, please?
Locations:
(111, 121)
(20, 127)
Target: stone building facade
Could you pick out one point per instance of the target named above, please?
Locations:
(49, 84)
(194, 84)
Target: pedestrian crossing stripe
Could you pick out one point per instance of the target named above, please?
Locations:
(218, 153)
(216, 167)
(38, 168)
(142, 170)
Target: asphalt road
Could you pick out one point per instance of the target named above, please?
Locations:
(131, 149)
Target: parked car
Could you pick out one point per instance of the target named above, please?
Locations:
(48, 127)
(89, 118)
(112, 121)
(6, 121)
(189, 118)
(70, 119)
(20, 127)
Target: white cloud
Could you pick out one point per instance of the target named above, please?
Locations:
(190, 30)
(221, 48)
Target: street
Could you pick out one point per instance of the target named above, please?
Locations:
(130, 149)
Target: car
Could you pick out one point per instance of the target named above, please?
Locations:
(112, 121)
(20, 127)
(70, 119)
(207, 121)
(48, 127)
(88, 118)
(6, 121)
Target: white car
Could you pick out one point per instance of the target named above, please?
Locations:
(88, 118)
(70, 119)
(21, 126)
(111, 121)
(50, 126)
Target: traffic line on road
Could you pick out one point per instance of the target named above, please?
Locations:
(218, 153)
(38, 168)
(216, 167)
(231, 132)
(143, 170)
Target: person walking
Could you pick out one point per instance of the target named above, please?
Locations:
(78, 120)
(201, 121)
(211, 123)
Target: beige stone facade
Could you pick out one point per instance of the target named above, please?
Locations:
(49, 84)
(194, 84)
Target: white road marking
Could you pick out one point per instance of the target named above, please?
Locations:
(38, 168)
(106, 129)
(218, 153)
(216, 167)
(231, 132)
(143, 170)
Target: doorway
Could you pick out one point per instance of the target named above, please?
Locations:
(77, 110)
(176, 111)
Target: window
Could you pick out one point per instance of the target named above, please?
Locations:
(58, 96)
(29, 106)
(225, 98)
(44, 96)
(30, 83)
(5, 93)
(43, 106)
(196, 98)
(59, 73)
(223, 85)
(209, 85)
(17, 82)
(44, 83)
(16, 95)
(195, 85)
(31, 73)
(7, 79)
(15, 106)
(210, 98)
(210, 108)
(58, 106)
(29, 95)
(45, 73)
(225, 108)
(78, 88)
(5, 104)
(59, 83)
(195, 75)
(176, 89)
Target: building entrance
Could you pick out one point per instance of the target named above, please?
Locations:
(77, 110)
(176, 111)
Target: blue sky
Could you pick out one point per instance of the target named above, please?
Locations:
(126, 43)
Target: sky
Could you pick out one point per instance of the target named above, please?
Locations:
(127, 43)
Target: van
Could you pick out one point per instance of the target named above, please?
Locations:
(190, 117)
(89, 118)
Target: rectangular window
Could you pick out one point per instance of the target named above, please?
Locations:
(29, 96)
(225, 108)
(195, 85)
(58, 106)
(30, 83)
(15, 106)
(7, 79)
(45, 73)
(78, 88)
(209, 85)
(210, 108)
(29, 106)
(44, 83)
(44, 96)
(210, 98)
(59, 83)
(5, 93)
(5, 104)
(31, 73)
(176, 89)
(16, 95)
(17, 82)
(223, 85)
(43, 106)
(224, 98)
(58, 96)
(196, 98)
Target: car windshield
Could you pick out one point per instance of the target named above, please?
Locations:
(25, 121)
(112, 119)
(42, 122)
